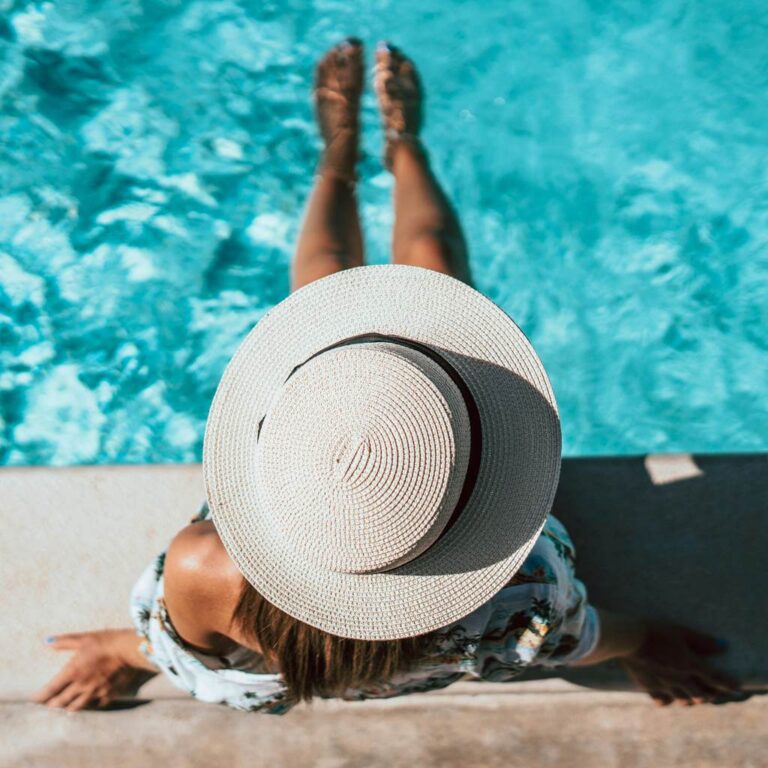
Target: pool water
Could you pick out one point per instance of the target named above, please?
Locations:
(609, 162)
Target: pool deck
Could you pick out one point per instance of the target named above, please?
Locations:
(677, 537)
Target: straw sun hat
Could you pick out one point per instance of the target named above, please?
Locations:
(382, 452)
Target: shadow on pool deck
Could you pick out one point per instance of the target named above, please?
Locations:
(677, 537)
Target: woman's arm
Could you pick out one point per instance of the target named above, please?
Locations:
(666, 660)
(106, 664)
(620, 636)
(126, 647)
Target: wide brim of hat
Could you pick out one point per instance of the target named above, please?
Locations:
(516, 481)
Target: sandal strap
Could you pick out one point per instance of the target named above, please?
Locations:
(339, 170)
(326, 161)
(348, 177)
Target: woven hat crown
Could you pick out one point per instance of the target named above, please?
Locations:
(382, 452)
(362, 455)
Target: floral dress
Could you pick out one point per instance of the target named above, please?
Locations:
(540, 618)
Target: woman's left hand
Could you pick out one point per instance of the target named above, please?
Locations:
(671, 666)
(97, 672)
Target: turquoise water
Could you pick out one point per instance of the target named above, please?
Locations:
(609, 161)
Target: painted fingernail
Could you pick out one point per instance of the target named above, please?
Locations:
(50, 638)
(382, 46)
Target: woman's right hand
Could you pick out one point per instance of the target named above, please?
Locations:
(671, 666)
(97, 673)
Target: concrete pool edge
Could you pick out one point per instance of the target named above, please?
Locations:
(110, 520)
(517, 731)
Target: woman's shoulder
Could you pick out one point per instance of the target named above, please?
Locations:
(196, 550)
(200, 586)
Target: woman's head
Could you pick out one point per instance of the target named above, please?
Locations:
(315, 663)
(379, 471)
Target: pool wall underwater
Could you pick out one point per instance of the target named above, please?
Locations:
(609, 163)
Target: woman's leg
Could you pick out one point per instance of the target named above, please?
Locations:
(330, 237)
(427, 232)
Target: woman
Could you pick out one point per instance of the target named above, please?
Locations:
(226, 642)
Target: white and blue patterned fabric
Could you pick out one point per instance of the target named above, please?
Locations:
(540, 618)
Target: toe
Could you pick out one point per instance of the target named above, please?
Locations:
(320, 71)
(327, 62)
(410, 77)
(382, 53)
(341, 54)
(383, 70)
(389, 55)
(396, 55)
(349, 47)
(348, 64)
(355, 52)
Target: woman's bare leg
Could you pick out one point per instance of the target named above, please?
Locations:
(427, 232)
(330, 237)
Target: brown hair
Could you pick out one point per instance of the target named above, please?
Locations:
(315, 663)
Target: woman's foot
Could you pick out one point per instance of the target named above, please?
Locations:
(338, 85)
(400, 95)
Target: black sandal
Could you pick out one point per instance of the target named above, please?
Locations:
(401, 114)
(348, 126)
